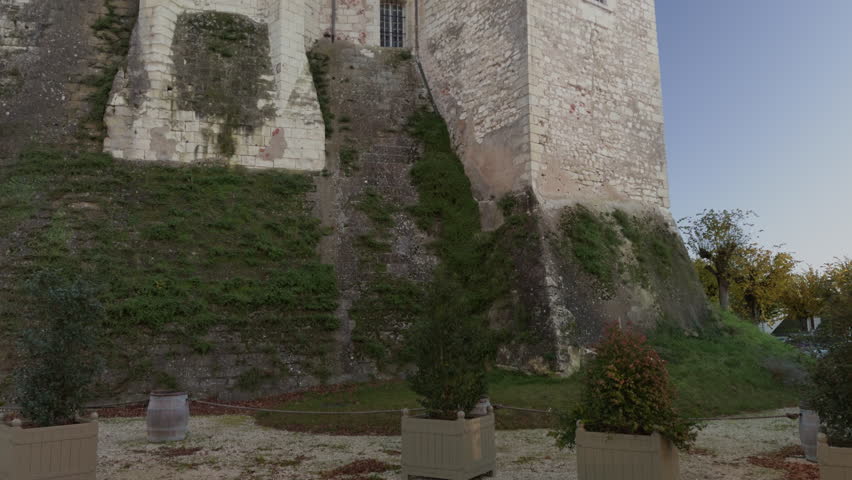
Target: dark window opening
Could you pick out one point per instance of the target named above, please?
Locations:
(393, 23)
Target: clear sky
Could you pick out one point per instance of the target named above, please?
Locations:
(758, 104)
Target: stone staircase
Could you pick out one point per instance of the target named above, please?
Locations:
(373, 94)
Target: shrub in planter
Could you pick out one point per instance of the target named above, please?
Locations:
(58, 363)
(59, 352)
(627, 403)
(832, 399)
(451, 349)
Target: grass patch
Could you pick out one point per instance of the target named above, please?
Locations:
(177, 251)
(506, 387)
(730, 370)
(723, 372)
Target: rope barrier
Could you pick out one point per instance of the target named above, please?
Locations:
(791, 416)
(549, 411)
(303, 412)
(530, 410)
(15, 408)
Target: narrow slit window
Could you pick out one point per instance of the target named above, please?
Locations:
(393, 23)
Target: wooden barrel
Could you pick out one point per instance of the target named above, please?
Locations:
(808, 430)
(167, 417)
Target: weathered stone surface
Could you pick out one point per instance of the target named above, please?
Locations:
(596, 110)
(373, 93)
(474, 55)
(48, 54)
(147, 120)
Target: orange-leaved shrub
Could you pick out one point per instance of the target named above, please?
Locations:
(626, 390)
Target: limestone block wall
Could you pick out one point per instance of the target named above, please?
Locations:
(357, 21)
(144, 119)
(595, 103)
(474, 55)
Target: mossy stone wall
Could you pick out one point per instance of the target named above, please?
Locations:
(224, 73)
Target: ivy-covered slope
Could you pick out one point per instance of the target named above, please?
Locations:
(206, 272)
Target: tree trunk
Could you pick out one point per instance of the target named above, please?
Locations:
(724, 298)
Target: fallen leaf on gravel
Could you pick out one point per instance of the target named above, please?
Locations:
(359, 467)
(777, 460)
(175, 452)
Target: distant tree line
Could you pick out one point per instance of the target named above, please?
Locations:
(763, 284)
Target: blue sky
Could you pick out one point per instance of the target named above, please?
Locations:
(758, 104)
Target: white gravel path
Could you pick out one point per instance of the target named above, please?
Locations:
(233, 447)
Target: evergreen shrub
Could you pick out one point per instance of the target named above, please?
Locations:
(450, 348)
(832, 393)
(58, 351)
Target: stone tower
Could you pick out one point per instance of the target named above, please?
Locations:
(560, 96)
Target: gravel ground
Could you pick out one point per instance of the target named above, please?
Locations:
(233, 447)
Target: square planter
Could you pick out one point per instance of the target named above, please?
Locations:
(449, 449)
(835, 463)
(68, 452)
(610, 456)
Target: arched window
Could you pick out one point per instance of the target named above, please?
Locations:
(393, 23)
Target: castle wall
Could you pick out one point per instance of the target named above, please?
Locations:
(357, 21)
(313, 32)
(146, 123)
(596, 103)
(48, 53)
(474, 56)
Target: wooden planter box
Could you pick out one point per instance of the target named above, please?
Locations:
(69, 452)
(609, 456)
(835, 463)
(451, 450)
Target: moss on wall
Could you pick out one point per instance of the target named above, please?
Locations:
(113, 31)
(223, 72)
(319, 64)
(627, 267)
